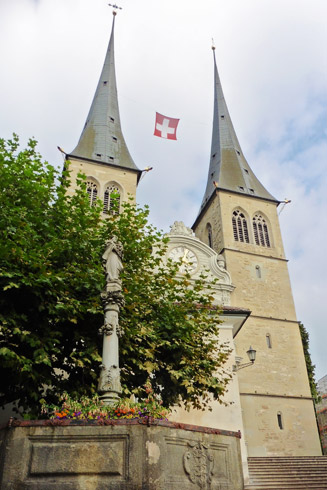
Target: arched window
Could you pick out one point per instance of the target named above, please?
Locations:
(209, 234)
(111, 199)
(260, 231)
(280, 420)
(240, 227)
(92, 190)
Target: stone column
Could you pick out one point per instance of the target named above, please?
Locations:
(109, 383)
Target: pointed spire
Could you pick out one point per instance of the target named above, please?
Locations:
(228, 168)
(102, 138)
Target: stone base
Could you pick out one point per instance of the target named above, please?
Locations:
(125, 455)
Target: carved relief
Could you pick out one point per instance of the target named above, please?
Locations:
(109, 328)
(120, 331)
(109, 379)
(198, 464)
(221, 261)
(106, 329)
(178, 228)
(113, 297)
(225, 298)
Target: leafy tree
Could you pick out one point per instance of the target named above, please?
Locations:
(51, 277)
(310, 367)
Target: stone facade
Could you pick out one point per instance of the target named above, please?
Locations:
(126, 455)
(103, 174)
(278, 412)
(204, 258)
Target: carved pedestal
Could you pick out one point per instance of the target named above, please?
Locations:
(109, 383)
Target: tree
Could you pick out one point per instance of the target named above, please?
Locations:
(50, 282)
(310, 366)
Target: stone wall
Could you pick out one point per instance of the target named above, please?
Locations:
(126, 455)
(277, 409)
(102, 174)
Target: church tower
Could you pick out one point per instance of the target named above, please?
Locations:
(238, 219)
(101, 153)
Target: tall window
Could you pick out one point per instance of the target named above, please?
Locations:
(92, 190)
(260, 231)
(280, 420)
(111, 199)
(209, 234)
(268, 340)
(240, 227)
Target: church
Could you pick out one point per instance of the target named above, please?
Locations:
(236, 236)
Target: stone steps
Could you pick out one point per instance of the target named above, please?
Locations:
(288, 473)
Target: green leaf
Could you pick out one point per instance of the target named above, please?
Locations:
(11, 285)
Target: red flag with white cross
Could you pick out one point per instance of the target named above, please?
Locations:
(166, 127)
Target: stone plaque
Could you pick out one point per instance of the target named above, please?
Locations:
(79, 455)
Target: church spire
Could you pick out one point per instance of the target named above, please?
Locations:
(102, 139)
(228, 168)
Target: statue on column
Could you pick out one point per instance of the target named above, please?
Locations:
(112, 261)
(112, 298)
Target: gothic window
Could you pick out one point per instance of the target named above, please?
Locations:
(111, 199)
(92, 190)
(209, 234)
(280, 420)
(260, 231)
(240, 227)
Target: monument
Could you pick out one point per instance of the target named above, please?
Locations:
(109, 383)
(130, 454)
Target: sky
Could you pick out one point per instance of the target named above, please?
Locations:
(272, 61)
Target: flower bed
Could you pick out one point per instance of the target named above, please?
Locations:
(94, 409)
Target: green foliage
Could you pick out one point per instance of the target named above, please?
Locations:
(310, 367)
(51, 277)
(94, 409)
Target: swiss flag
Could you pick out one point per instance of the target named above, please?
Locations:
(165, 127)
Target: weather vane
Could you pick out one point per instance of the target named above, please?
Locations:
(114, 6)
(286, 201)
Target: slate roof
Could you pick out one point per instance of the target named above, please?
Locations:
(228, 166)
(102, 139)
